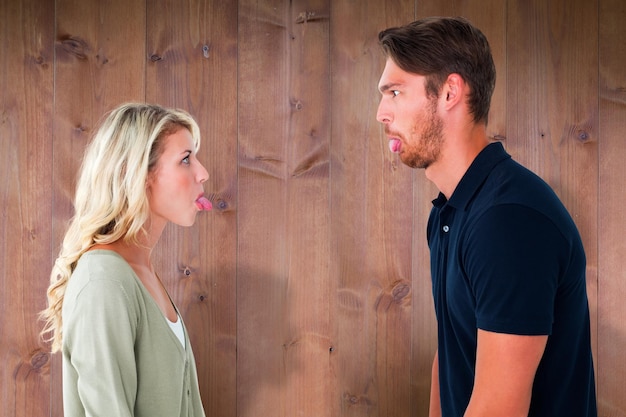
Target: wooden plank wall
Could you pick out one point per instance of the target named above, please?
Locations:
(611, 309)
(306, 291)
(26, 119)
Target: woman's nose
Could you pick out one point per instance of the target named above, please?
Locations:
(203, 174)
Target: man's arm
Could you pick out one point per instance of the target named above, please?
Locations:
(435, 401)
(505, 370)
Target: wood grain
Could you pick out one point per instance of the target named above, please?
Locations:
(26, 108)
(306, 291)
(262, 206)
(372, 215)
(610, 201)
(283, 279)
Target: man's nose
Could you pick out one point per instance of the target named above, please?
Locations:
(383, 115)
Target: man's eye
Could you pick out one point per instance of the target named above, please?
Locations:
(395, 93)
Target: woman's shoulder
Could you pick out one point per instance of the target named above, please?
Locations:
(103, 265)
(107, 258)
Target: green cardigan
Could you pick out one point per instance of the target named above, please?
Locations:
(120, 357)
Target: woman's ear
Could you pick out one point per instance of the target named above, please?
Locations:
(149, 180)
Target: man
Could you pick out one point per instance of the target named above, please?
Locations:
(507, 262)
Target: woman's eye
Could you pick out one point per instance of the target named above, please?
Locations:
(185, 160)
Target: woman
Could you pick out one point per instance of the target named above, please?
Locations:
(125, 348)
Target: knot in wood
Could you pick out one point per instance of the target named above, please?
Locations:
(75, 46)
(39, 360)
(221, 204)
(400, 291)
(583, 136)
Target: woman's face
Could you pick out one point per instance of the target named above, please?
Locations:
(175, 184)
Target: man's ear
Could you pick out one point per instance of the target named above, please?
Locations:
(453, 90)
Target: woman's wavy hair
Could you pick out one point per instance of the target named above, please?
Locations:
(111, 201)
(436, 47)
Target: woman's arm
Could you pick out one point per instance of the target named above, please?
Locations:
(99, 362)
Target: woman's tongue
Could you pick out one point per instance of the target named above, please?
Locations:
(395, 145)
(203, 203)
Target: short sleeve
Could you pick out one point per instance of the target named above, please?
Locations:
(512, 260)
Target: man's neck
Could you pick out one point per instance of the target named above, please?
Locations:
(459, 151)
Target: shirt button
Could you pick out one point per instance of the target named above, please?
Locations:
(446, 228)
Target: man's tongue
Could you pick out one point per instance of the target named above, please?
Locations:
(394, 145)
(204, 204)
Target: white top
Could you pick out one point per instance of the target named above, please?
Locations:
(177, 328)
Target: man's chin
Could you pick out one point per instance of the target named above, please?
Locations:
(413, 162)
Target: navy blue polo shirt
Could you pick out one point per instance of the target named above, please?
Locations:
(506, 257)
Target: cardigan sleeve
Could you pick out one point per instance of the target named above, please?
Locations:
(101, 326)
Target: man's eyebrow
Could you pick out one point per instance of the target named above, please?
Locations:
(387, 87)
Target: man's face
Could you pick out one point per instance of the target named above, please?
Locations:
(412, 124)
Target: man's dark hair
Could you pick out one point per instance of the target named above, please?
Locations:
(436, 47)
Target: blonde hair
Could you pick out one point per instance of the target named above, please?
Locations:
(111, 201)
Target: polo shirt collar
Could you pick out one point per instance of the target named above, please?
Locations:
(474, 177)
